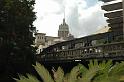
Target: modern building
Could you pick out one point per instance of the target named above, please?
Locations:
(114, 14)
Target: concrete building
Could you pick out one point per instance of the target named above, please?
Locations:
(114, 14)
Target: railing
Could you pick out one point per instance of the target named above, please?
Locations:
(111, 50)
(111, 47)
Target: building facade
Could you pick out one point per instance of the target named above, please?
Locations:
(42, 41)
(63, 31)
(114, 14)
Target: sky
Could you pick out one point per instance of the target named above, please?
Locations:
(84, 17)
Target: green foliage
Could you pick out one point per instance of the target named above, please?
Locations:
(16, 25)
(29, 78)
(104, 71)
(16, 36)
(58, 75)
(44, 74)
(74, 73)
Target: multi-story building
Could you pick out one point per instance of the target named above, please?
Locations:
(40, 39)
(43, 41)
(114, 14)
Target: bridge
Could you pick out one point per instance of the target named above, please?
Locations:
(108, 45)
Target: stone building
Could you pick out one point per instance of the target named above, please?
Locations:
(63, 31)
(42, 41)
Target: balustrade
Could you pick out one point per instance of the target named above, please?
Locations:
(104, 46)
(110, 50)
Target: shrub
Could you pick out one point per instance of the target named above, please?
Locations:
(96, 72)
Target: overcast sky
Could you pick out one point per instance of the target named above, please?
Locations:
(84, 17)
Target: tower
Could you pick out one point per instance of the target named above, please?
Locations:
(63, 31)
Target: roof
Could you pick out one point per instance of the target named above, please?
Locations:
(102, 30)
(42, 33)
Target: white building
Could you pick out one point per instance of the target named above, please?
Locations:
(42, 41)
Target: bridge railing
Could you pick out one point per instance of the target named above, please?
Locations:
(109, 46)
(111, 50)
(91, 40)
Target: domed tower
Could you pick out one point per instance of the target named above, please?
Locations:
(63, 31)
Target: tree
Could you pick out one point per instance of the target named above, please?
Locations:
(16, 36)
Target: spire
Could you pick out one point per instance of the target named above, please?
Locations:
(63, 28)
(64, 16)
(64, 12)
(64, 21)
